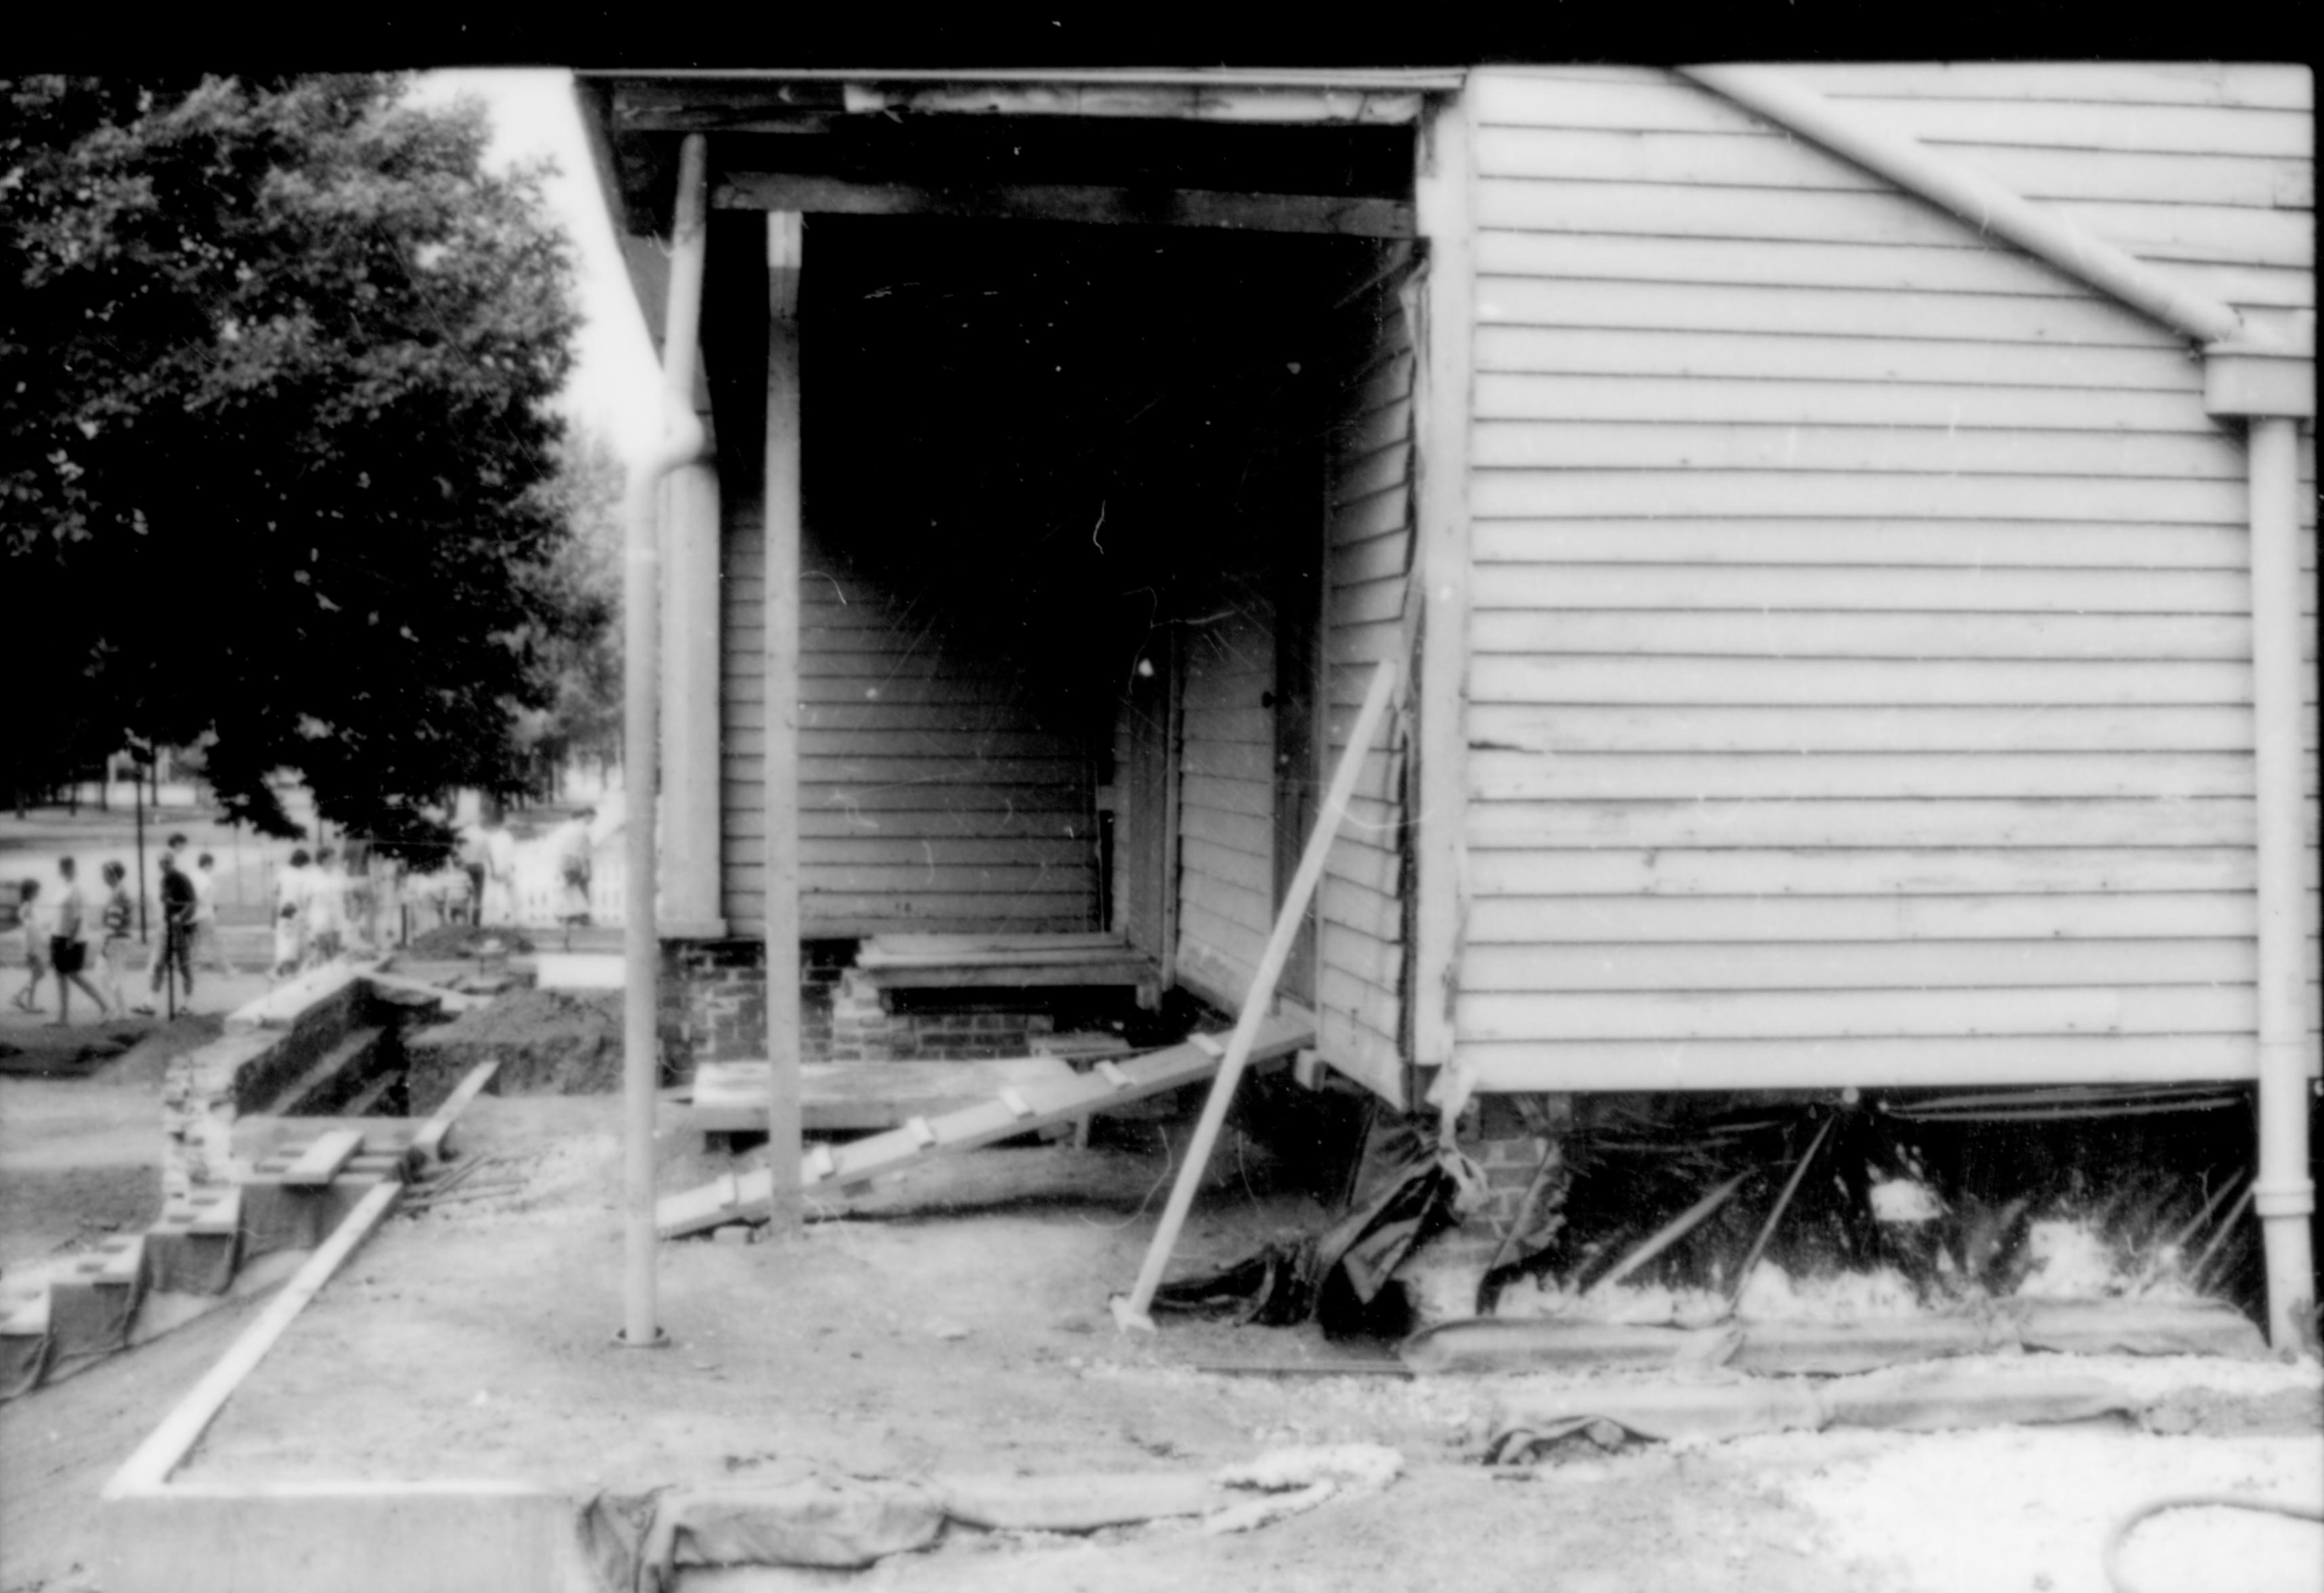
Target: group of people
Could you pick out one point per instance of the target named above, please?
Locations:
(72, 934)
(315, 917)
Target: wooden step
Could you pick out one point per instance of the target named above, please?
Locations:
(319, 1162)
(317, 1085)
(731, 1097)
(749, 1197)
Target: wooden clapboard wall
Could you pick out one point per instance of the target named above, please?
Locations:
(1360, 946)
(1859, 679)
(931, 796)
(1226, 785)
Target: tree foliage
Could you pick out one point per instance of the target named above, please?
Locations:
(277, 361)
(583, 659)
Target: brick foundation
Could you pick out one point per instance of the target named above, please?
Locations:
(1507, 1136)
(713, 1009)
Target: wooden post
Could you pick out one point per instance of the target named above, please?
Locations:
(786, 236)
(641, 752)
(1443, 378)
(689, 704)
(1133, 1309)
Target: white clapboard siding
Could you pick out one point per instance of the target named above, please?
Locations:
(1874, 965)
(2087, 550)
(1360, 904)
(1775, 356)
(1516, 776)
(918, 758)
(2207, 171)
(1776, 632)
(1950, 872)
(1859, 645)
(1952, 1060)
(1226, 794)
(1557, 730)
(1519, 922)
(1522, 584)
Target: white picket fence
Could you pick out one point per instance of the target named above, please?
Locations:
(540, 888)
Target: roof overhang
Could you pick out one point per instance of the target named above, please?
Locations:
(635, 118)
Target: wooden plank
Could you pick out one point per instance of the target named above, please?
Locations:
(742, 818)
(1790, 310)
(167, 1447)
(1515, 494)
(1870, 728)
(2219, 233)
(1939, 1061)
(2204, 821)
(1738, 160)
(1900, 589)
(1252, 1022)
(1772, 681)
(1943, 408)
(2258, 86)
(782, 910)
(1657, 352)
(1861, 872)
(320, 1162)
(1770, 633)
(1447, 194)
(436, 1131)
(1748, 444)
(1083, 204)
(1638, 211)
(1502, 97)
(899, 950)
(1537, 920)
(1982, 544)
(1898, 965)
(1506, 776)
(2141, 129)
(2175, 1009)
(746, 1198)
(1769, 261)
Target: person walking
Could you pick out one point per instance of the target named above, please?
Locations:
(39, 920)
(173, 856)
(500, 874)
(113, 953)
(290, 916)
(572, 852)
(175, 957)
(326, 909)
(68, 947)
(208, 953)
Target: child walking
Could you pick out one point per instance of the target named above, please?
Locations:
(38, 924)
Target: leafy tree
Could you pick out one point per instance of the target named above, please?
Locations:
(276, 365)
(584, 584)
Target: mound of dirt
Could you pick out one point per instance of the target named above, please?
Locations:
(463, 940)
(548, 1042)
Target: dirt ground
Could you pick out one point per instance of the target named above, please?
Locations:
(476, 1341)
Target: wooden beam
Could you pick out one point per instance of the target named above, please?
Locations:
(1443, 380)
(1093, 205)
(1131, 1310)
(786, 239)
(169, 1443)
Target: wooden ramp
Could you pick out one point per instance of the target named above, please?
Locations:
(1012, 1110)
(731, 1097)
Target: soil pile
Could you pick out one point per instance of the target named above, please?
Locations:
(465, 939)
(548, 1042)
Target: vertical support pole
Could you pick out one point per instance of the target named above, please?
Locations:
(2285, 1193)
(642, 602)
(786, 239)
(689, 704)
(1443, 380)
